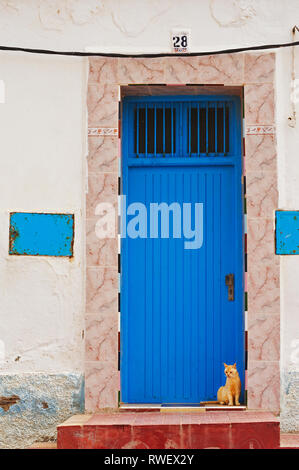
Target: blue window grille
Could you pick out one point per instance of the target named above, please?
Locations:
(181, 128)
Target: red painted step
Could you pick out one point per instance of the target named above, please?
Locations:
(197, 430)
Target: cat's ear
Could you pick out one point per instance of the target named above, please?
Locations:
(235, 365)
(225, 365)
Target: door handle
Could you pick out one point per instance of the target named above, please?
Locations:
(230, 282)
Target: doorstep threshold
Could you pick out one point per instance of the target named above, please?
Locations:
(179, 408)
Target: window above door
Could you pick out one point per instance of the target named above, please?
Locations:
(181, 127)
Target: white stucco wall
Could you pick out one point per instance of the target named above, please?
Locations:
(43, 149)
(144, 25)
(42, 145)
(288, 185)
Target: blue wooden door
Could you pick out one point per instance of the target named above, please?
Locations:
(178, 324)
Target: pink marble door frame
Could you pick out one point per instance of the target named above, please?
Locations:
(254, 75)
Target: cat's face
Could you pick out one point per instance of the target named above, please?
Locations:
(230, 370)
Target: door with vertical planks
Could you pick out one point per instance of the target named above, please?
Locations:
(182, 236)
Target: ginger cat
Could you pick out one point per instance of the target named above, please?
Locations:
(229, 394)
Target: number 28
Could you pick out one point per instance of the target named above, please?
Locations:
(179, 41)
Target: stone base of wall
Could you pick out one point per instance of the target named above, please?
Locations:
(32, 405)
(289, 417)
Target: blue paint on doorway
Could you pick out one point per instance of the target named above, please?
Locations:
(178, 325)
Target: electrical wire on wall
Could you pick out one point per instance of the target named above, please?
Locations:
(292, 44)
(150, 55)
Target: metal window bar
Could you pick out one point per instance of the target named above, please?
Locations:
(227, 126)
(137, 131)
(216, 129)
(163, 129)
(198, 129)
(155, 130)
(145, 125)
(172, 130)
(206, 129)
(189, 129)
(224, 128)
(220, 129)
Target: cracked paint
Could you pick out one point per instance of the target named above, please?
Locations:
(7, 402)
(34, 404)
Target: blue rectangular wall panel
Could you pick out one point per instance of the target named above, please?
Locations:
(41, 234)
(287, 232)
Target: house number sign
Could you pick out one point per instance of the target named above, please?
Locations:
(180, 41)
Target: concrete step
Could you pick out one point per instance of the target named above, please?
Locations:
(147, 430)
(43, 445)
(289, 440)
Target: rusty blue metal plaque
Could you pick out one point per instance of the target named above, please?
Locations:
(41, 234)
(287, 232)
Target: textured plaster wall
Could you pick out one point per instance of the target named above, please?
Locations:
(42, 165)
(41, 401)
(136, 26)
(288, 172)
(42, 147)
